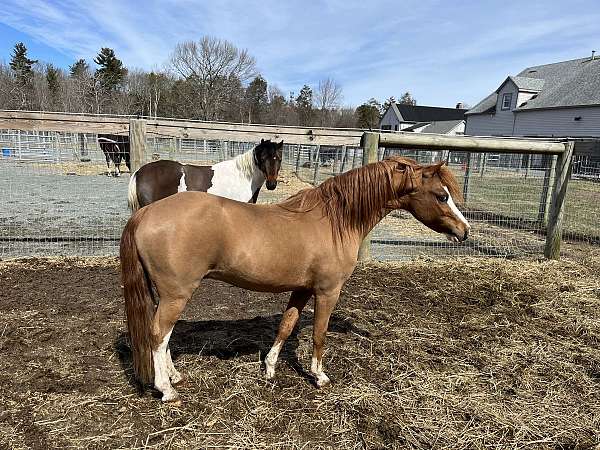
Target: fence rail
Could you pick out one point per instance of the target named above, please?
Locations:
(313, 154)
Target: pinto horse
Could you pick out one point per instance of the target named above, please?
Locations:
(307, 244)
(115, 148)
(239, 178)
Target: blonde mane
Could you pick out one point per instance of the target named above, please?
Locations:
(245, 163)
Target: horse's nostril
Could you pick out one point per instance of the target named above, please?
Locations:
(466, 234)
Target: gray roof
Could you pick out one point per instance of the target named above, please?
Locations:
(528, 84)
(558, 85)
(441, 127)
(487, 105)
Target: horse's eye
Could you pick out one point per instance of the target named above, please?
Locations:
(442, 198)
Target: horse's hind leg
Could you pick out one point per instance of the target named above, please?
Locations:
(168, 311)
(324, 304)
(295, 305)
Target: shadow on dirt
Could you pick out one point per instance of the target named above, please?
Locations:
(230, 339)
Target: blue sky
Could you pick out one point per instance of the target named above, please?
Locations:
(441, 51)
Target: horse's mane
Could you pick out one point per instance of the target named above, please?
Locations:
(354, 200)
(245, 163)
(351, 200)
(449, 180)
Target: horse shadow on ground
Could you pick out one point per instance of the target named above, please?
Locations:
(231, 339)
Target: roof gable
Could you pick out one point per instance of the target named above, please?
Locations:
(558, 85)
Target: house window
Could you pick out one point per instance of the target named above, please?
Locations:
(386, 127)
(506, 101)
(395, 127)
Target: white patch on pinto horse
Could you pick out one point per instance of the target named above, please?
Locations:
(161, 371)
(236, 178)
(182, 186)
(271, 360)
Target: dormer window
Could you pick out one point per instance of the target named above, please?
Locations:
(506, 101)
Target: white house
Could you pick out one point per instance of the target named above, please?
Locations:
(399, 116)
(552, 100)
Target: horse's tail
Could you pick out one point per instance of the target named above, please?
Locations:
(132, 197)
(139, 304)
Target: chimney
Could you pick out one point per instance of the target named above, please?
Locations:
(459, 105)
(593, 55)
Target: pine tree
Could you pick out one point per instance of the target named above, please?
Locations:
(256, 99)
(79, 68)
(21, 65)
(408, 99)
(52, 78)
(111, 72)
(304, 103)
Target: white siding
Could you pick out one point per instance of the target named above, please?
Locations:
(558, 122)
(523, 97)
(389, 118)
(499, 124)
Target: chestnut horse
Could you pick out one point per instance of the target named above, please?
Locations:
(307, 244)
(239, 178)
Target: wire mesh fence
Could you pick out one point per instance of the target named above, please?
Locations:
(57, 200)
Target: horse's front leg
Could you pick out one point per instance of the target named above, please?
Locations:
(297, 301)
(324, 304)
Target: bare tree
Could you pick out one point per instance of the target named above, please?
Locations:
(212, 66)
(327, 97)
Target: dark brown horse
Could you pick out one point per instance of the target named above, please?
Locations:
(116, 149)
(307, 244)
(239, 178)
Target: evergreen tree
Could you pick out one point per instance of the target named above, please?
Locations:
(368, 114)
(79, 68)
(304, 103)
(111, 72)
(256, 99)
(21, 65)
(407, 99)
(52, 79)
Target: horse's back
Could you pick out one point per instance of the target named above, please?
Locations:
(161, 179)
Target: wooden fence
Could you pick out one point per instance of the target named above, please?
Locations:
(140, 128)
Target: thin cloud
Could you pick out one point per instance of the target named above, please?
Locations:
(442, 52)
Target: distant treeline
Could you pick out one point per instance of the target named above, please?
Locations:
(210, 79)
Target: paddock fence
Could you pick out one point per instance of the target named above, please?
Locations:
(58, 200)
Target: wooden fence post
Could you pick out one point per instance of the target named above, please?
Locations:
(298, 161)
(344, 158)
(546, 196)
(317, 164)
(467, 177)
(370, 146)
(564, 165)
(137, 143)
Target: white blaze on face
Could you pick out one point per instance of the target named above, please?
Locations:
(455, 210)
(182, 186)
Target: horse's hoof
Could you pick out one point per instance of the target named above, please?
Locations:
(322, 380)
(172, 401)
(180, 382)
(270, 373)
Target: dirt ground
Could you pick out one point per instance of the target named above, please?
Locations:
(465, 353)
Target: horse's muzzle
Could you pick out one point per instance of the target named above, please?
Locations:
(271, 184)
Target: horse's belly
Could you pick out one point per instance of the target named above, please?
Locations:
(255, 282)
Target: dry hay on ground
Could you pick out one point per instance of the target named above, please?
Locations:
(453, 354)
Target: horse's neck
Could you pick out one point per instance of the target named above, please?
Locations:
(244, 163)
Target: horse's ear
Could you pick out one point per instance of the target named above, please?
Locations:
(429, 171)
(280, 145)
(262, 141)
